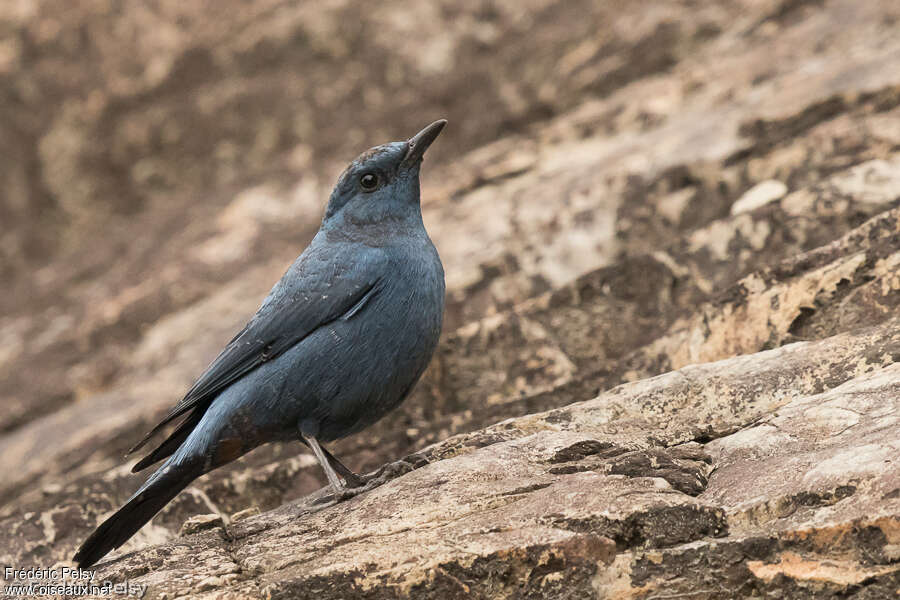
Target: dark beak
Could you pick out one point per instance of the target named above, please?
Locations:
(418, 144)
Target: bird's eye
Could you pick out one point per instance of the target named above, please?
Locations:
(369, 181)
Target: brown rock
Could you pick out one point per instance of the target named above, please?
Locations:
(671, 244)
(608, 493)
(200, 523)
(245, 514)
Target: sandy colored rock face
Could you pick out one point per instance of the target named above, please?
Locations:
(671, 236)
(610, 495)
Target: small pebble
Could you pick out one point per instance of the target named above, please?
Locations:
(245, 514)
(200, 523)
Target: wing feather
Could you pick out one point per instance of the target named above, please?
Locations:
(312, 293)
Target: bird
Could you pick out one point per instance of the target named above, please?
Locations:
(339, 341)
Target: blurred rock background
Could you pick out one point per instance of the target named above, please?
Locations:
(625, 188)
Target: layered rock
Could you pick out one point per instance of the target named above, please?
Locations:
(669, 356)
(791, 484)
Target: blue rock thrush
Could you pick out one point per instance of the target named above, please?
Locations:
(339, 341)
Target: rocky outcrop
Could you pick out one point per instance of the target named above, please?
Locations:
(669, 362)
(791, 484)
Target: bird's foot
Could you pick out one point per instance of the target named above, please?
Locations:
(353, 480)
(336, 495)
(395, 469)
(363, 483)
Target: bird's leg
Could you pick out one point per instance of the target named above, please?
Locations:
(353, 480)
(326, 466)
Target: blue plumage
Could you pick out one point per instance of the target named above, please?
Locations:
(339, 341)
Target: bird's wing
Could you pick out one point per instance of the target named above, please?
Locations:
(312, 293)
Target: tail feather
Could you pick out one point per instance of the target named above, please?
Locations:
(162, 486)
(171, 444)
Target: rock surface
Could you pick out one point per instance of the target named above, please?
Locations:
(669, 367)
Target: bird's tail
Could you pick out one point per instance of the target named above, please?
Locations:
(156, 492)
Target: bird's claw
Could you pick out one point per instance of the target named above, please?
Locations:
(395, 469)
(389, 471)
(363, 483)
(336, 496)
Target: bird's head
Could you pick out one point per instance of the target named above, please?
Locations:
(382, 184)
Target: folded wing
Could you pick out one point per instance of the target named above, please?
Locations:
(312, 294)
